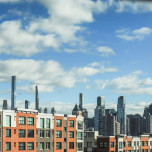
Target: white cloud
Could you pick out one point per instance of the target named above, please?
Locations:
(61, 26)
(135, 6)
(22, 42)
(65, 18)
(69, 50)
(128, 84)
(47, 75)
(137, 34)
(6, 1)
(105, 51)
(101, 84)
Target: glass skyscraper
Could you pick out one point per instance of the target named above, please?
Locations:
(121, 114)
(98, 113)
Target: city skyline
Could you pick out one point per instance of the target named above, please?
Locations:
(99, 48)
(100, 103)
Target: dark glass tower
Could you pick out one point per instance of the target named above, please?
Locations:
(36, 98)
(121, 114)
(26, 104)
(81, 101)
(13, 93)
(5, 104)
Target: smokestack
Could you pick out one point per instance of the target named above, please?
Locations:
(5, 104)
(45, 110)
(36, 98)
(26, 104)
(81, 101)
(13, 93)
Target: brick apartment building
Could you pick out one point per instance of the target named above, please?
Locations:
(123, 143)
(27, 130)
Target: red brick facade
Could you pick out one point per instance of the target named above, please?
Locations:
(15, 139)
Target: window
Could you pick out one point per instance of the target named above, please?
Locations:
(146, 150)
(30, 146)
(89, 144)
(101, 144)
(58, 134)
(79, 135)
(15, 144)
(71, 145)
(41, 145)
(120, 145)
(129, 150)
(71, 134)
(41, 122)
(105, 144)
(21, 145)
(80, 125)
(14, 131)
(8, 132)
(47, 145)
(42, 133)
(30, 133)
(8, 146)
(30, 121)
(21, 133)
(142, 150)
(142, 143)
(129, 143)
(79, 146)
(71, 123)
(8, 121)
(112, 144)
(48, 133)
(146, 143)
(47, 123)
(151, 143)
(58, 122)
(58, 145)
(124, 144)
(134, 143)
(22, 120)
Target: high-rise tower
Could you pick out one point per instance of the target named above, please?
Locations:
(121, 114)
(36, 98)
(26, 104)
(99, 111)
(81, 101)
(5, 104)
(13, 93)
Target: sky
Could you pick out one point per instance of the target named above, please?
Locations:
(67, 47)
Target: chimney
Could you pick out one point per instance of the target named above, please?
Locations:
(5, 104)
(36, 98)
(13, 93)
(81, 101)
(26, 104)
(45, 110)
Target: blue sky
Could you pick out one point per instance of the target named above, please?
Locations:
(99, 48)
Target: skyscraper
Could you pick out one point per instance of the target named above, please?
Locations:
(98, 113)
(13, 93)
(36, 98)
(26, 104)
(5, 104)
(81, 101)
(121, 114)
